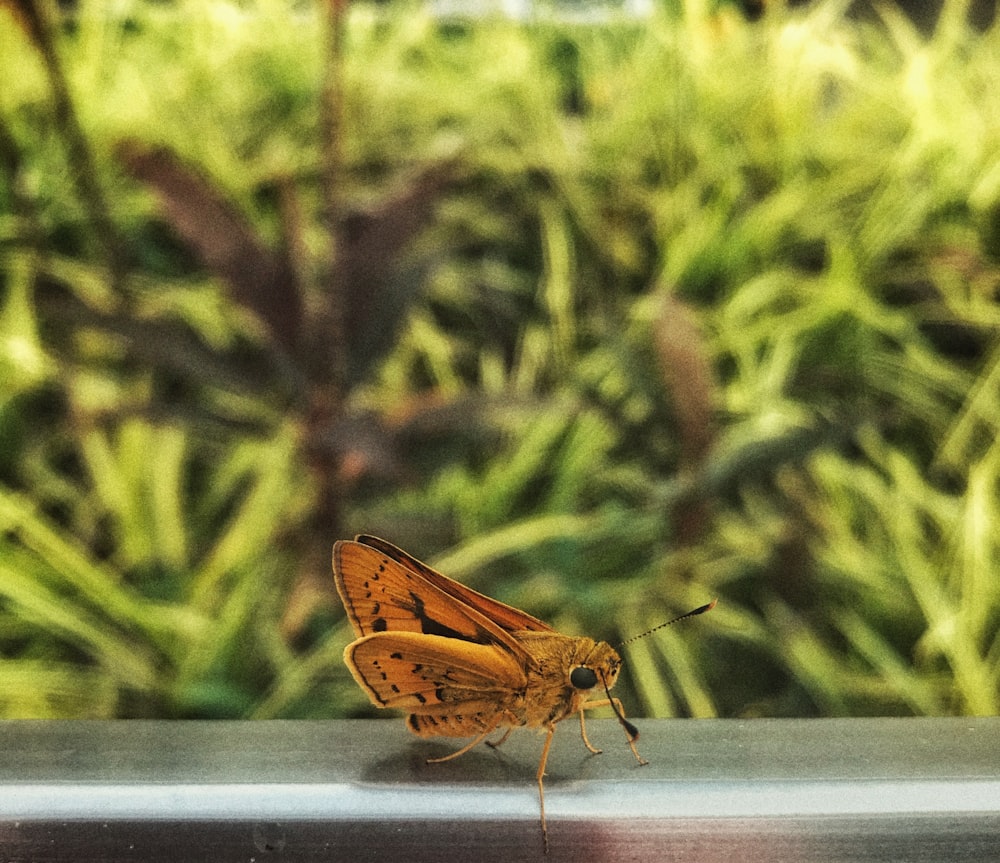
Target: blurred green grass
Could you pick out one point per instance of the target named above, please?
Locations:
(705, 309)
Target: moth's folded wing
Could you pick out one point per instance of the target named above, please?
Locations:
(382, 594)
(433, 674)
(506, 616)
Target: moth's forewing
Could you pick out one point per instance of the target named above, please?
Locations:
(506, 616)
(429, 674)
(381, 594)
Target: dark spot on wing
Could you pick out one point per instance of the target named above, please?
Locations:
(430, 626)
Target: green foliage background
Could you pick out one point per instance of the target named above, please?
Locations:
(706, 308)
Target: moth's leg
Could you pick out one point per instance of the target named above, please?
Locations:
(615, 704)
(583, 734)
(473, 743)
(541, 788)
(494, 744)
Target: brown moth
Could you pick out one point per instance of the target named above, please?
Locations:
(462, 664)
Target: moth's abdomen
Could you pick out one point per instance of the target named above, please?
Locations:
(456, 725)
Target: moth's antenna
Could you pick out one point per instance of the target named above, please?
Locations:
(631, 732)
(630, 729)
(700, 610)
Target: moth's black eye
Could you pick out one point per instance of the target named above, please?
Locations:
(583, 678)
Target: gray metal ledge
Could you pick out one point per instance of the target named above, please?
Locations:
(715, 790)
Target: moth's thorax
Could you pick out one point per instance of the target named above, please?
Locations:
(550, 694)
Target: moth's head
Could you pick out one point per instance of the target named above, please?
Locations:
(597, 668)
